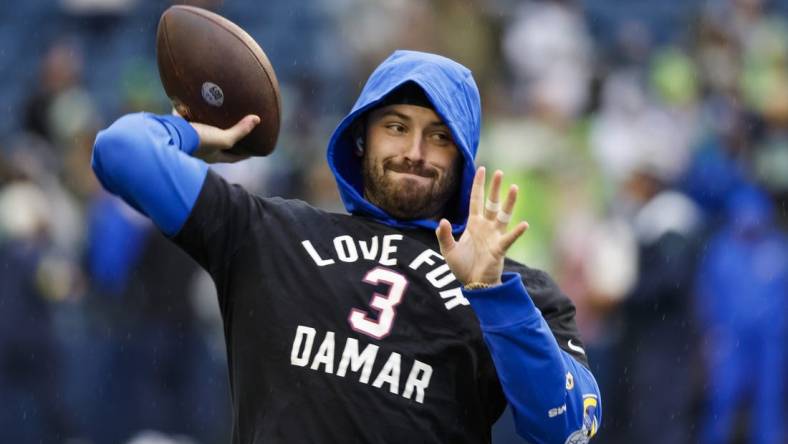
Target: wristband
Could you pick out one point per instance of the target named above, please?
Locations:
(477, 285)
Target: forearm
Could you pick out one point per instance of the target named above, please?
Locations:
(548, 404)
(145, 159)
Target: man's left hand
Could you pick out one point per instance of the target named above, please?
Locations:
(477, 257)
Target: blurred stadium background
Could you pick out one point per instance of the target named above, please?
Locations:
(650, 139)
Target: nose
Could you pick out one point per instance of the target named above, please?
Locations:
(414, 150)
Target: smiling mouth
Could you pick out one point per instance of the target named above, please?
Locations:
(412, 173)
(420, 172)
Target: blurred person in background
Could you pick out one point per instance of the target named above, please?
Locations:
(656, 350)
(532, 125)
(61, 107)
(640, 138)
(769, 70)
(139, 320)
(60, 120)
(549, 52)
(742, 298)
(31, 376)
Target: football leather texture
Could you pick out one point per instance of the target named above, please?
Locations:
(215, 73)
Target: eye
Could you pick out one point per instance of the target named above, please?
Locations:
(396, 127)
(441, 138)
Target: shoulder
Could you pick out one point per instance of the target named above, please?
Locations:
(293, 207)
(556, 308)
(545, 293)
(217, 188)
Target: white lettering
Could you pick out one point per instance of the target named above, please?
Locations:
(346, 248)
(453, 297)
(316, 257)
(325, 354)
(351, 356)
(425, 258)
(389, 374)
(370, 252)
(435, 278)
(557, 411)
(362, 363)
(388, 249)
(418, 379)
(302, 333)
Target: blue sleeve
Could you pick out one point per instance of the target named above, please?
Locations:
(552, 395)
(145, 159)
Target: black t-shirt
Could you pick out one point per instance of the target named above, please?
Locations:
(340, 329)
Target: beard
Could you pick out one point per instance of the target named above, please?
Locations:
(408, 198)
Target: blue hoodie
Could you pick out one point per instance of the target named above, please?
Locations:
(451, 90)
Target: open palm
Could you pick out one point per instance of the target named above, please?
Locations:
(477, 257)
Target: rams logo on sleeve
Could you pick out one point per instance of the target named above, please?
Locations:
(590, 424)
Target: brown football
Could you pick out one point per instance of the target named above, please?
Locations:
(215, 73)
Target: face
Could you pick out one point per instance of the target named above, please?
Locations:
(411, 166)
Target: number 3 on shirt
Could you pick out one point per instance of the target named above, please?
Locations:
(384, 304)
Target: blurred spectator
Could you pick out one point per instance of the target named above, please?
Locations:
(641, 139)
(656, 351)
(30, 368)
(148, 348)
(711, 177)
(741, 303)
(32, 158)
(550, 54)
(61, 107)
(630, 131)
(541, 156)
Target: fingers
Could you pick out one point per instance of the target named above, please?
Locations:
(445, 238)
(242, 128)
(493, 211)
(492, 204)
(508, 207)
(477, 192)
(509, 238)
(503, 220)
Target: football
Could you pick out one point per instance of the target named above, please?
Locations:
(215, 73)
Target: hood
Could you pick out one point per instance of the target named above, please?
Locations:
(454, 95)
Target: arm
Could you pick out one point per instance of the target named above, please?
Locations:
(552, 395)
(146, 160)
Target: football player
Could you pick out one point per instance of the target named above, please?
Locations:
(401, 321)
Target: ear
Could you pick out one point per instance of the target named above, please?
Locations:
(358, 133)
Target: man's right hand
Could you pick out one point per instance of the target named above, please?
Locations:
(214, 142)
